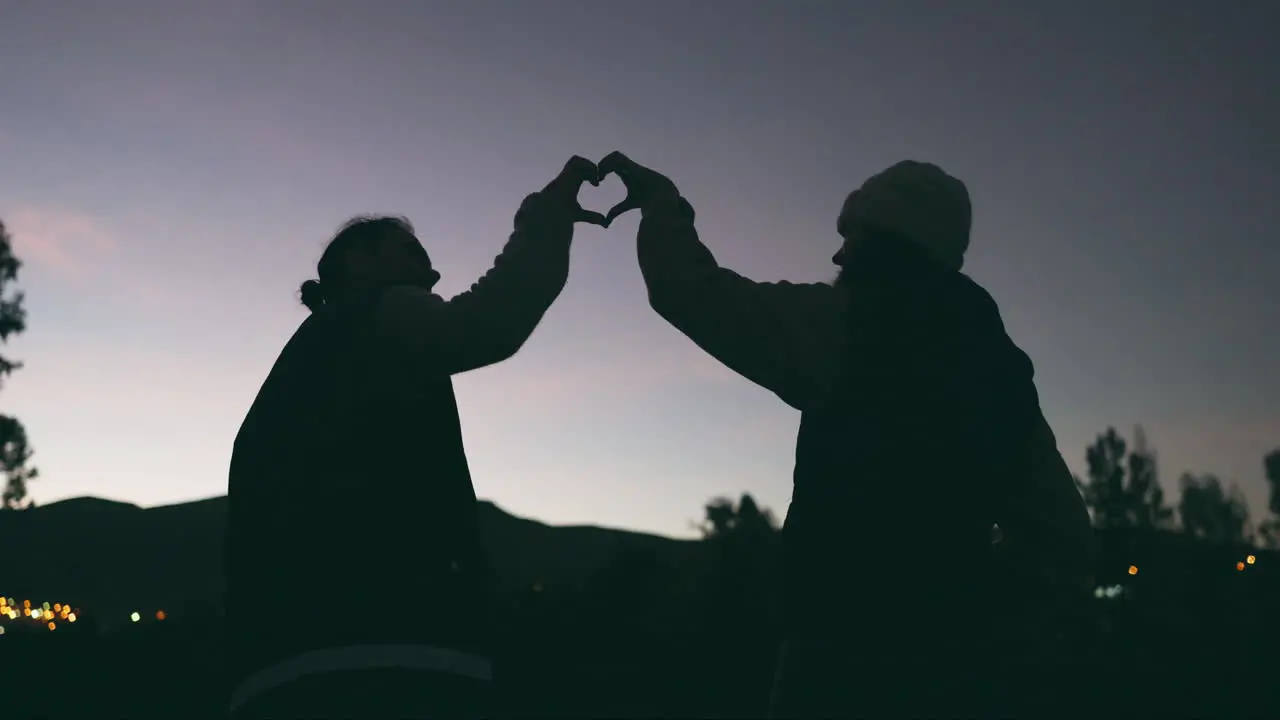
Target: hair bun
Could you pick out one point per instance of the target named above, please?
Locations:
(312, 293)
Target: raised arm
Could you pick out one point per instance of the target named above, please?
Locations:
(788, 338)
(492, 320)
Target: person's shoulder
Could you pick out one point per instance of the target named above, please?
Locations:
(323, 329)
(928, 293)
(975, 318)
(308, 341)
(304, 339)
(967, 300)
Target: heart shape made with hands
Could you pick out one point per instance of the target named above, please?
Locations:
(642, 185)
(609, 193)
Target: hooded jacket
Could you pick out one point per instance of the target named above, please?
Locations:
(920, 428)
(352, 537)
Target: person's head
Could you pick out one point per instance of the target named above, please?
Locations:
(368, 255)
(912, 210)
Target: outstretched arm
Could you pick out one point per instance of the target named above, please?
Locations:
(492, 320)
(786, 337)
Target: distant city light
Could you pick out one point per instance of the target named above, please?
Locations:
(50, 614)
(1108, 592)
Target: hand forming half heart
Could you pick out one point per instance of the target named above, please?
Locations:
(567, 184)
(643, 185)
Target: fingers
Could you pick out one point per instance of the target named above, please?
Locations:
(616, 162)
(635, 177)
(626, 169)
(582, 169)
(577, 171)
(592, 218)
(628, 204)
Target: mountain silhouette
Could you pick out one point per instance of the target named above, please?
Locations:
(112, 558)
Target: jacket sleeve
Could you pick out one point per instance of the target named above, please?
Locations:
(788, 338)
(1044, 523)
(491, 321)
(1044, 518)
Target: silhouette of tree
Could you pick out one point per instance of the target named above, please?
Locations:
(744, 550)
(1210, 513)
(741, 598)
(744, 553)
(1270, 529)
(1271, 464)
(1123, 488)
(718, 516)
(14, 449)
(723, 517)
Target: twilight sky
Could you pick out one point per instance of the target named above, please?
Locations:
(171, 170)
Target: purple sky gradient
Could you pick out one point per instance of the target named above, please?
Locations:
(171, 170)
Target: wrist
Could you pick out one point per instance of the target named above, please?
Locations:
(667, 204)
(541, 208)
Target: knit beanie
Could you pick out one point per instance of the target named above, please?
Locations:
(920, 202)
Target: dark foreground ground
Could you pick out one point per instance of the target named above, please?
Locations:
(602, 623)
(1219, 664)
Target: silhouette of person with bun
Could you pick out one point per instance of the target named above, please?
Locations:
(355, 578)
(920, 429)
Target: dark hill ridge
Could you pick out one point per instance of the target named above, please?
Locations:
(112, 558)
